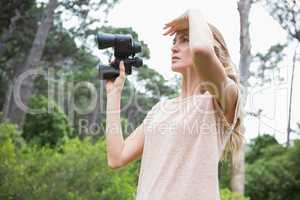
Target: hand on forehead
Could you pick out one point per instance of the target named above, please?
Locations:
(181, 33)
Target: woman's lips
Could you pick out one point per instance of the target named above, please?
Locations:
(175, 58)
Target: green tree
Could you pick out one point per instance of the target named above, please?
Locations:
(257, 147)
(272, 170)
(266, 65)
(47, 127)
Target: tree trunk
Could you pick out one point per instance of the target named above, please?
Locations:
(14, 113)
(237, 179)
(244, 7)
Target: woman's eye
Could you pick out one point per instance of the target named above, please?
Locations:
(181, 40)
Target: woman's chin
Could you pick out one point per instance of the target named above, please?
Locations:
(177, 68)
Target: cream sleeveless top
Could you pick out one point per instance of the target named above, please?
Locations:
(184, 139)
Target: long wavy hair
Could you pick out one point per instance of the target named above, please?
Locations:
(236, 138)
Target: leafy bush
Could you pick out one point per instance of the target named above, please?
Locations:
(9, 131)
(276, 174)
(78, 171)
(257, 146)
(46, 128)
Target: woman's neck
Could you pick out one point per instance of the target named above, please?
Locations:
(191, 85)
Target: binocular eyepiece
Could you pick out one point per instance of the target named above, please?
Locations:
(124, 49)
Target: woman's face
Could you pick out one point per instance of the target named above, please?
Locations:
(181, 53)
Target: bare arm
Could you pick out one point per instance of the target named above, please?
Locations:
(206, 62)
(209, 66)
(119, 151)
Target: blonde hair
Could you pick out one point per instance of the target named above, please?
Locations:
(236, 138)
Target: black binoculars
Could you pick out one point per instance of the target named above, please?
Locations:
(124, 49)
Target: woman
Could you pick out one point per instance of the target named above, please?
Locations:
(181, 140)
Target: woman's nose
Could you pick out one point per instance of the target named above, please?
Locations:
(174, 49)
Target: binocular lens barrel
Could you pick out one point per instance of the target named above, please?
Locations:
(137, 47)
(121, 42)
(105, 40)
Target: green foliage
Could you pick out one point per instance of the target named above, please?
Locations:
(275, 175)
(226, 194)
(257, 146)
(224, 173)
(9, 132)
(49, 127)
(59, 46)
(8, 10)
(77, 171)
(267, 69)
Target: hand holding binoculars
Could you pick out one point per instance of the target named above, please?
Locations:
(124, 49)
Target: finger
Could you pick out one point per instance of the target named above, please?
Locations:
(171, 22)
(167, 25)
(166, 33)
(122, 69)
(169, 31)
(170, 26)
(171, 34)
(108, 84)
